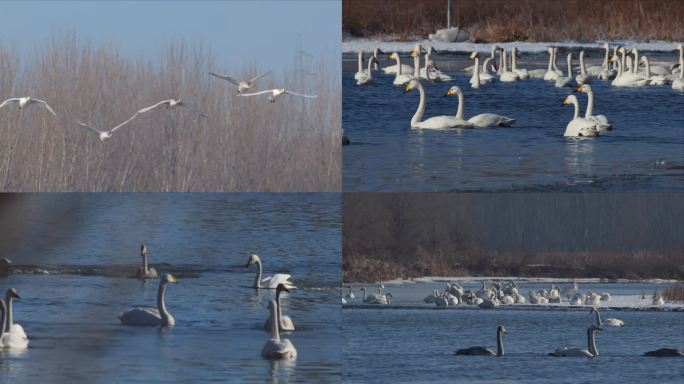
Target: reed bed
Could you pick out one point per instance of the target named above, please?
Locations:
(244, 144)
(518, 20)
(674, 293)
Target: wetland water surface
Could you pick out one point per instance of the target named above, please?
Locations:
(86, 247)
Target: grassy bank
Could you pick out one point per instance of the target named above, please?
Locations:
(519, 20)
(244, 144)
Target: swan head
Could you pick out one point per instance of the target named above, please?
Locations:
(501, 329)
(392, 56)
(11, 292)
(143, 250)
(281, 288)
(414, 52)
(584, 88)
(410, 85)
(594, 328)
(455, 90)
(377, 51)
(570, 100)
(473, 55)
(168, 278)
(612, 59)
(252, 260)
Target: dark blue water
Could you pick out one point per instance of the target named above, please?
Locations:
(417, 345)
(88, 245)
(645, 151)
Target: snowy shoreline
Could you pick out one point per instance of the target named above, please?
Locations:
(444, 279)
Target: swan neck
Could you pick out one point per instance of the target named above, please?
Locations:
(459, 112)
(635, 66)
(583, 69)
(605, 58)
(161, 306)
(398, 64)
(364, 294)
(416, 66)
(570, 66)
(681, 63)
(648, 67)
(553, 62)
(576, 104)
(257, 277)
(590, 110)
(8, 313)
(3, 316)
(505, 61)
(421, 106)
(360, 62)
(550, 67)
(592, 342)
(370, 65)
(513, 60)
(499, 343)
(145, 265)
(275, 331)
(280, 312)
(598, 318)
(476, 73)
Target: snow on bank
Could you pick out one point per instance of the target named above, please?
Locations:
(350, 45)
(444, 279)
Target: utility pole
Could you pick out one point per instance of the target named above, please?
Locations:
(448, 14)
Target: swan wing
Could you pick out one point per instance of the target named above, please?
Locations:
(256, 93)
(571, 352)
(301, 94)
(124, 123)
(279, 278)
(475, 351)
(226, 77)
(486, 120)
(89, 127)
(151, 107)
(259, 77)
(44, 104)
(12, 100)
(141, 316)
(443, 122)
(279, 349)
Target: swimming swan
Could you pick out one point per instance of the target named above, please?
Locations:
(578, 352)
(550, 74)
(350, 294)
(145, 272)
(601, 121)
(566, 81)
(583, 77)
(626, 78)
(522, 72)
(26, 101)
(284, 322)
(275, 347)
(506, 75)
(484, 120)
(13, 335)
(437, 122)
(270, 282)
(609, 322)
(655, 79)
(402, 77)
(579, 127)
(483, 351)
(277, 93)
(665, 352)
(148, 316)
(242, 85)
(367, 77)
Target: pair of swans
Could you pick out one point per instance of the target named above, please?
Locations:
(578, 126)
(480, 78)
(403, 77)
(284, 322)
(590, 352)
(149, 316)
(484, 351)
(601, 121)
(611, 322)
(145, 271)
(552, 73)
(567, 81)
(277, 348)
(484, 120)
(376, 298)
(25, 102)
(625, 78)
(240, 84)
(12, 335)
(365, 78)
(507, 76)
(170, 104)
(270, 282)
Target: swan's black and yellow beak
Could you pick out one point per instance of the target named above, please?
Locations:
(579, 90)
(407, 88)
(449, 93)
(565, 102)
(173, 280)
(248, 264)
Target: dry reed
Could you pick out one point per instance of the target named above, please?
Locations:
(245, 144)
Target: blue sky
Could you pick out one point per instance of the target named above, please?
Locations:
(238, 32)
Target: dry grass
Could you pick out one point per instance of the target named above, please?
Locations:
(245, 144)
(519, 20)
(674, 293)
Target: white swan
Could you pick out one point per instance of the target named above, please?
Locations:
(601, 121)
(396, 68)
(375, 298)
(567, 81)
(579, 127)
(475, 79)
(555, 68)
(106, 135)
(624, 78)
(678, 83)
(284, 322)
(442, 301)
(437, 122)
(596, 70)
(367, 77)
(350, 294)
(277, 93)
(359, 68)
(484, 351)
(484, 120)
(658, 300)
(27, 101)
(576, 300)
(275, 347)
(145, 272)
(145, 316)
(507, 76)
(652, 79)
(242, 85)
(521, 72)
(270, 282)
(432, 73)
(402, 77)
(430, 299)
(485, 76)
(12, 334)
(493, 51)
(612, 322)
(171, 104)
(579, 352)
(550, 74)
(583, 77)
(376, 52)
(606, 72)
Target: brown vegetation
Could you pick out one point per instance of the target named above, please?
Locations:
(407, 235)
(245, 144)
(674, 293)
(519, 20)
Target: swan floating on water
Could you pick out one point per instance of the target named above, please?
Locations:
(275, 347)
(277, 93)
(484, 351)
(578, 352)
(375, 298)
(483, 120)
(665, 352)
(148, 316)
(350, 294)
(27, 101)
(579, 127)
(12, 335)
(601, 121)
(437, 122)
(678, 83)
(567, 81)
(241, 85)
(367, 77)
(145, 272)
(270, 282)
(612, 322)
(284, 322)
(402, 76)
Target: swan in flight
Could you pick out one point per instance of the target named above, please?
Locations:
(275, 347)
(612, 322)
(105, 135)
(566, 81)
(579, 127)
(665, 352)
(12, 335)
(242, 85)
(601, 121)
(145, 272)
(350, 294)
(277, 93)
(151, 316)
(367, 77)
(170, 104)
(579, 352)
(26, 101)
(437, 122)
(484, 120)
(484, 351)
(284, 322)
(270, 282)
(402, 76)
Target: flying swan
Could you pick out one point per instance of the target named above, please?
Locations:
(26, 101)
(242, 85)
(148, 316)
(277, 93)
